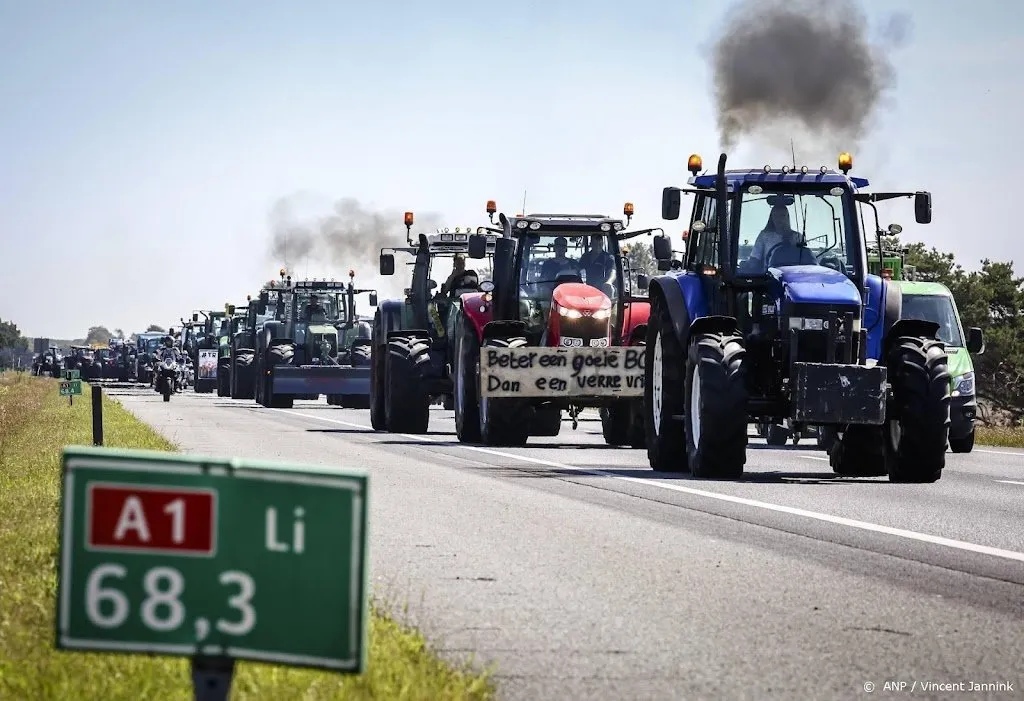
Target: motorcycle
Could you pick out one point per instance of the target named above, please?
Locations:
(167, 377)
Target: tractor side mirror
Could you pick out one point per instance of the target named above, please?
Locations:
(387, 264)
(373, 299)
(195, 317)
(431, 284)
(477, 246)
(642, 282)
(662, 248)
(671, 200)
(923, 207)
(975, 341)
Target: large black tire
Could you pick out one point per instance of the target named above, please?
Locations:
(465, 394)
(547, 421)
(615, 423)
(224, 377)
(244, 374)
(859, 452)
(663, 394)
(504, 421)
(776, 435)
(962, 445)
(360, 356)
(378, 419)
(406, 408)
(279, 354)
(918, 434)
(716, 406)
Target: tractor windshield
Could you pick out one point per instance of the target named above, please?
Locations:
(322, 309)
(443, 272)
(552, 259)
(799, 227)
(938, 309)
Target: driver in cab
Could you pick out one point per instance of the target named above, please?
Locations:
(598, 263)
(777, 244)
(560, 264)
(314, 311)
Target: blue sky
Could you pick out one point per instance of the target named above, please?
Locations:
(143, 144)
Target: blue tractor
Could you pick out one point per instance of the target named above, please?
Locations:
(772, 316)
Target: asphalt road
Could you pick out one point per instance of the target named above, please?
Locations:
(585, 575)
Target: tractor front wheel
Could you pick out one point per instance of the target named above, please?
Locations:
(716, 406)
(504, 421)
(663, 394)
(466, 396)
(378, 419)
(917, 436)
(406, 408)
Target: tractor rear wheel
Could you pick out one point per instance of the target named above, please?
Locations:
(663, 394)
(858, 453)
(962, 445)
(504, 421)
(406, 408)
(716, 406)
(615, 423)
(279, 354)
(917, 436)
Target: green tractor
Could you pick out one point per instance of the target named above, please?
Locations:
(415, 332)
(211, 350)
(298, 351)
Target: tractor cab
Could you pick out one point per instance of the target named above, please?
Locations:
(441, 274)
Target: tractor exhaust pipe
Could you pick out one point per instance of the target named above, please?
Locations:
(722, 218)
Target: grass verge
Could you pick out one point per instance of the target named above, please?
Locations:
(1001, 436)
(35, 425)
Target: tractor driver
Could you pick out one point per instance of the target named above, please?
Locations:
(314, 311)
(777, 240)
(598, 263)
(460, 277)
(560, 264)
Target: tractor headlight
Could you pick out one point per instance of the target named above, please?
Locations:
(569, 313)
(964, 385)
(602, 313)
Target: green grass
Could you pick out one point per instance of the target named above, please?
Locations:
(1002, 436)
(35, 425)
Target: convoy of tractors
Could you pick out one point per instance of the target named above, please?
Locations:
(783, 311)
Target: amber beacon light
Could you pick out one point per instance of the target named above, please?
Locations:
(694, 164)
(845, 162)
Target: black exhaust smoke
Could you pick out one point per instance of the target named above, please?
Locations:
(796, 68)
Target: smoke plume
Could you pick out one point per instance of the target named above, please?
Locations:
(798, 64)
(348, 235)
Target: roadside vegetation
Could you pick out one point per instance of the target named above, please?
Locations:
(1002, 436)
(35, 425)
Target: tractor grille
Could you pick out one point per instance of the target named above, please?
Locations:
(586, 328)
(812, 335)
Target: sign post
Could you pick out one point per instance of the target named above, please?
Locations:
(71, 385)
(215, 559)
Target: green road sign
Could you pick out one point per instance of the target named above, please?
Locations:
(70, 387)
(177, 555)
(71, 374)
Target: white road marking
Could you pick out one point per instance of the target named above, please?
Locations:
(779, 508)
(999, 452)
(1010, 482)
(812, 457)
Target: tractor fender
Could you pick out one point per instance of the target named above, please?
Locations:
(893, 306)
(273, 330)
(915, 328)
(635, 316)
(478, 310)
(667, 290)
(406, 333)
(386, 319)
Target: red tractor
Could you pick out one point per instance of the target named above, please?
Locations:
(560, 282)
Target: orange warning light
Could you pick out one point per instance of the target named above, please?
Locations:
(409, 218)
(492, 207)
